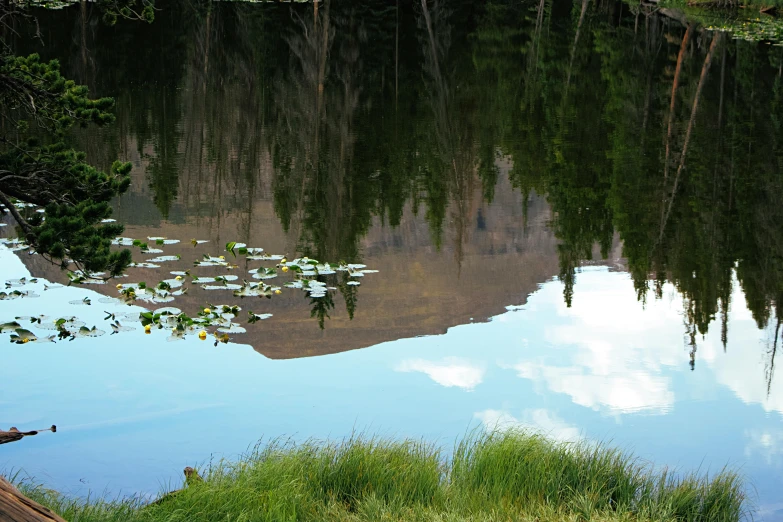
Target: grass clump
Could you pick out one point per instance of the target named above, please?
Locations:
(489, 477)
(529, 469)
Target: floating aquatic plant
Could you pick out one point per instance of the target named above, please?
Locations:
(263, 273)
(19, 282)
(252, 317)
(16, 294)
(163, 259)
(9, 326)
(306, 274)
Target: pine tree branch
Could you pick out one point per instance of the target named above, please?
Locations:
(15, 213)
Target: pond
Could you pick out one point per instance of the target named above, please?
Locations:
(566, 216)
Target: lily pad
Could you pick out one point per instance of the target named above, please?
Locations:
(232, 329)
(264, 273)
(143, 265)
(204, 280)
(88, 332)
(117, 328)
(16, 294)
(163, 259)
(227, 286)
(19, 282)
(172, 283)
(10, 326)
(22, 335)
(168, 310)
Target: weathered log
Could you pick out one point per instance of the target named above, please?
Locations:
(13, 434)
(15, 507)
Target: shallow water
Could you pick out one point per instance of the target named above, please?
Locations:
(549, 253)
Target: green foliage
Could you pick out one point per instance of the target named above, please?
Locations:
(38, 166)
(42, 96)
(130, 9)
(39, 104)
(491, 477)
(527, 468)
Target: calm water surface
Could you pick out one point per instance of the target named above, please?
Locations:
(556, 247)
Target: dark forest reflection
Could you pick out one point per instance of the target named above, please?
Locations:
(628, 122)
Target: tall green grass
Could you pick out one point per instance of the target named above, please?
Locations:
(488, 477)
(588, 478)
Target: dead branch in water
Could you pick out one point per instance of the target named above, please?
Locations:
(13, 435)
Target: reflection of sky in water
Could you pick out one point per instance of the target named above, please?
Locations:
(133, 410)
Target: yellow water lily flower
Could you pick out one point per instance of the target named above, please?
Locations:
(207, 311)
(222, 257)
(178, 278)
(284, 269)
(119, 287)
(278, 291)
(202, 335)
(148, 328)
(283, 261)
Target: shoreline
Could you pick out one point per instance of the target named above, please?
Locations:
(501, 475)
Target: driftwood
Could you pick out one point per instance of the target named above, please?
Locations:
(15, 507)
(13, 434)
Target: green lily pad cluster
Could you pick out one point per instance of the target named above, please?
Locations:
(67, 329)
(179, 324)
(16, 294)
(307, 275)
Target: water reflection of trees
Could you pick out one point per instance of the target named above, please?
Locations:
(630, 123)
(685, 186)
(680, 156)
(317, 189)
(455, 163)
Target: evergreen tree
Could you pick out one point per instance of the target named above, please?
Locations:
(38, 166)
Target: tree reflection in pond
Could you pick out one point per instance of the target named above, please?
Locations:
(632, 124)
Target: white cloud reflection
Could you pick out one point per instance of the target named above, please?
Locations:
(607, 352)
(766, 443)
(540, 420)
(635, 390)
(448, 372)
